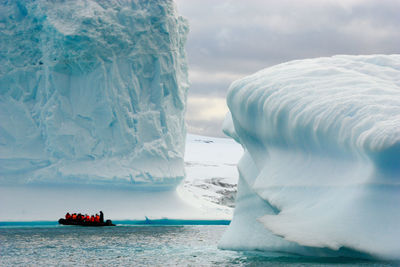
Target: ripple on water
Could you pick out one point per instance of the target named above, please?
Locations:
(138, 246)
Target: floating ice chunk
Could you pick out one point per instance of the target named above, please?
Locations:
(322, 157)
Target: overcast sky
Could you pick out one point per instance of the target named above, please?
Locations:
(230, 39)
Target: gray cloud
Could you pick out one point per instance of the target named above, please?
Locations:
(229, 39)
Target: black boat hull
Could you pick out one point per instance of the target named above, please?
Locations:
(80, 223)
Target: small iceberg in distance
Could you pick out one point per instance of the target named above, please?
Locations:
(321, 170)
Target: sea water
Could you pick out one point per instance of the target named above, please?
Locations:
(48, 244)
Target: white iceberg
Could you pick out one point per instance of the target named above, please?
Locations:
(321, 170)
(92, 92)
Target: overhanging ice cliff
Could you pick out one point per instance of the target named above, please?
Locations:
(321, 170)
(92, 92)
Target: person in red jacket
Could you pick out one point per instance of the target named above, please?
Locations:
(92, 218)
(67, 216)
(74, 216)
(97, 218)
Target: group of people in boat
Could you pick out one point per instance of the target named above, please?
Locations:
(85, 218)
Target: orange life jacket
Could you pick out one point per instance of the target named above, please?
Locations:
(92, 218)
(67, 216)
(97, 219)
(73, 216)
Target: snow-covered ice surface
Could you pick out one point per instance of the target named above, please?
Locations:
(211, 174)
(92, 92)
(321, 170)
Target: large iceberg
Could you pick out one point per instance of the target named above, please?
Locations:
(321, 170)
(92, 92)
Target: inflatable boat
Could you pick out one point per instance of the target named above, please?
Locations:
(85, 223)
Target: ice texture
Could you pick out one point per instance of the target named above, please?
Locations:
(320, 174)
(92, 92)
